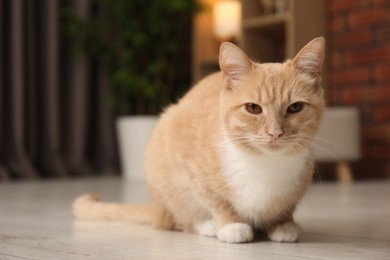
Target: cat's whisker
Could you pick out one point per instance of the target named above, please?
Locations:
(319, 139)
(311, 161)
(316, 145)
(242, 141)
(301, 149)
(238, 139)
(316, 173)
(246, 142)
(309, 140)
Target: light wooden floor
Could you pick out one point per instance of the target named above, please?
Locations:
(339, 222)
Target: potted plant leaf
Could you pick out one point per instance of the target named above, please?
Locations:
(140, 45)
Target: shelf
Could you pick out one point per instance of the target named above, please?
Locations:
(265, 21)
(268, 37)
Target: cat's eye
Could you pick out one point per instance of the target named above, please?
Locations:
(295, 107)
(253, 108)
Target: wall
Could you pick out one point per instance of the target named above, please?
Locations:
(359, 75)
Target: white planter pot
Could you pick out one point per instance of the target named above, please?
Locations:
(133, 135)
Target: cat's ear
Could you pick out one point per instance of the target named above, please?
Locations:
(311, 58)
(233, 62)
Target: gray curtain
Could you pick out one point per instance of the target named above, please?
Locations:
(53, 120)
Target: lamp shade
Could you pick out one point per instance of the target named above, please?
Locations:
(227, 19)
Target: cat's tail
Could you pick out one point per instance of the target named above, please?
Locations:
(89, 207)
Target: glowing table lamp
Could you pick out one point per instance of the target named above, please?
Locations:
(227, 20)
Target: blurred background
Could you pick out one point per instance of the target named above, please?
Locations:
(70, 69)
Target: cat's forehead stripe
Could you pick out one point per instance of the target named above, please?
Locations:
(273, 87)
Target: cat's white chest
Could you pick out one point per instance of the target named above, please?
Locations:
(258, 180)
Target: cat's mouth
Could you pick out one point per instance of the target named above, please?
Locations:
(275, 146)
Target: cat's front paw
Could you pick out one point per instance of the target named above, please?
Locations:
(235, 233)
(206, 228)
(287, 232)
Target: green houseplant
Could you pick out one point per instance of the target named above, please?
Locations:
(143, 46)
(140, 45)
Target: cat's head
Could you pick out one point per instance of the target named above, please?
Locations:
(272, 107)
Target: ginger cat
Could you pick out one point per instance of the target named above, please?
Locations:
(233, 156)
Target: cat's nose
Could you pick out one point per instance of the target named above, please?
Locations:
(275, 133)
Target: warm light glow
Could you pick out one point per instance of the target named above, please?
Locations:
(227, 19)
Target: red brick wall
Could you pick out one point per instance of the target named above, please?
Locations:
(359, 74)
